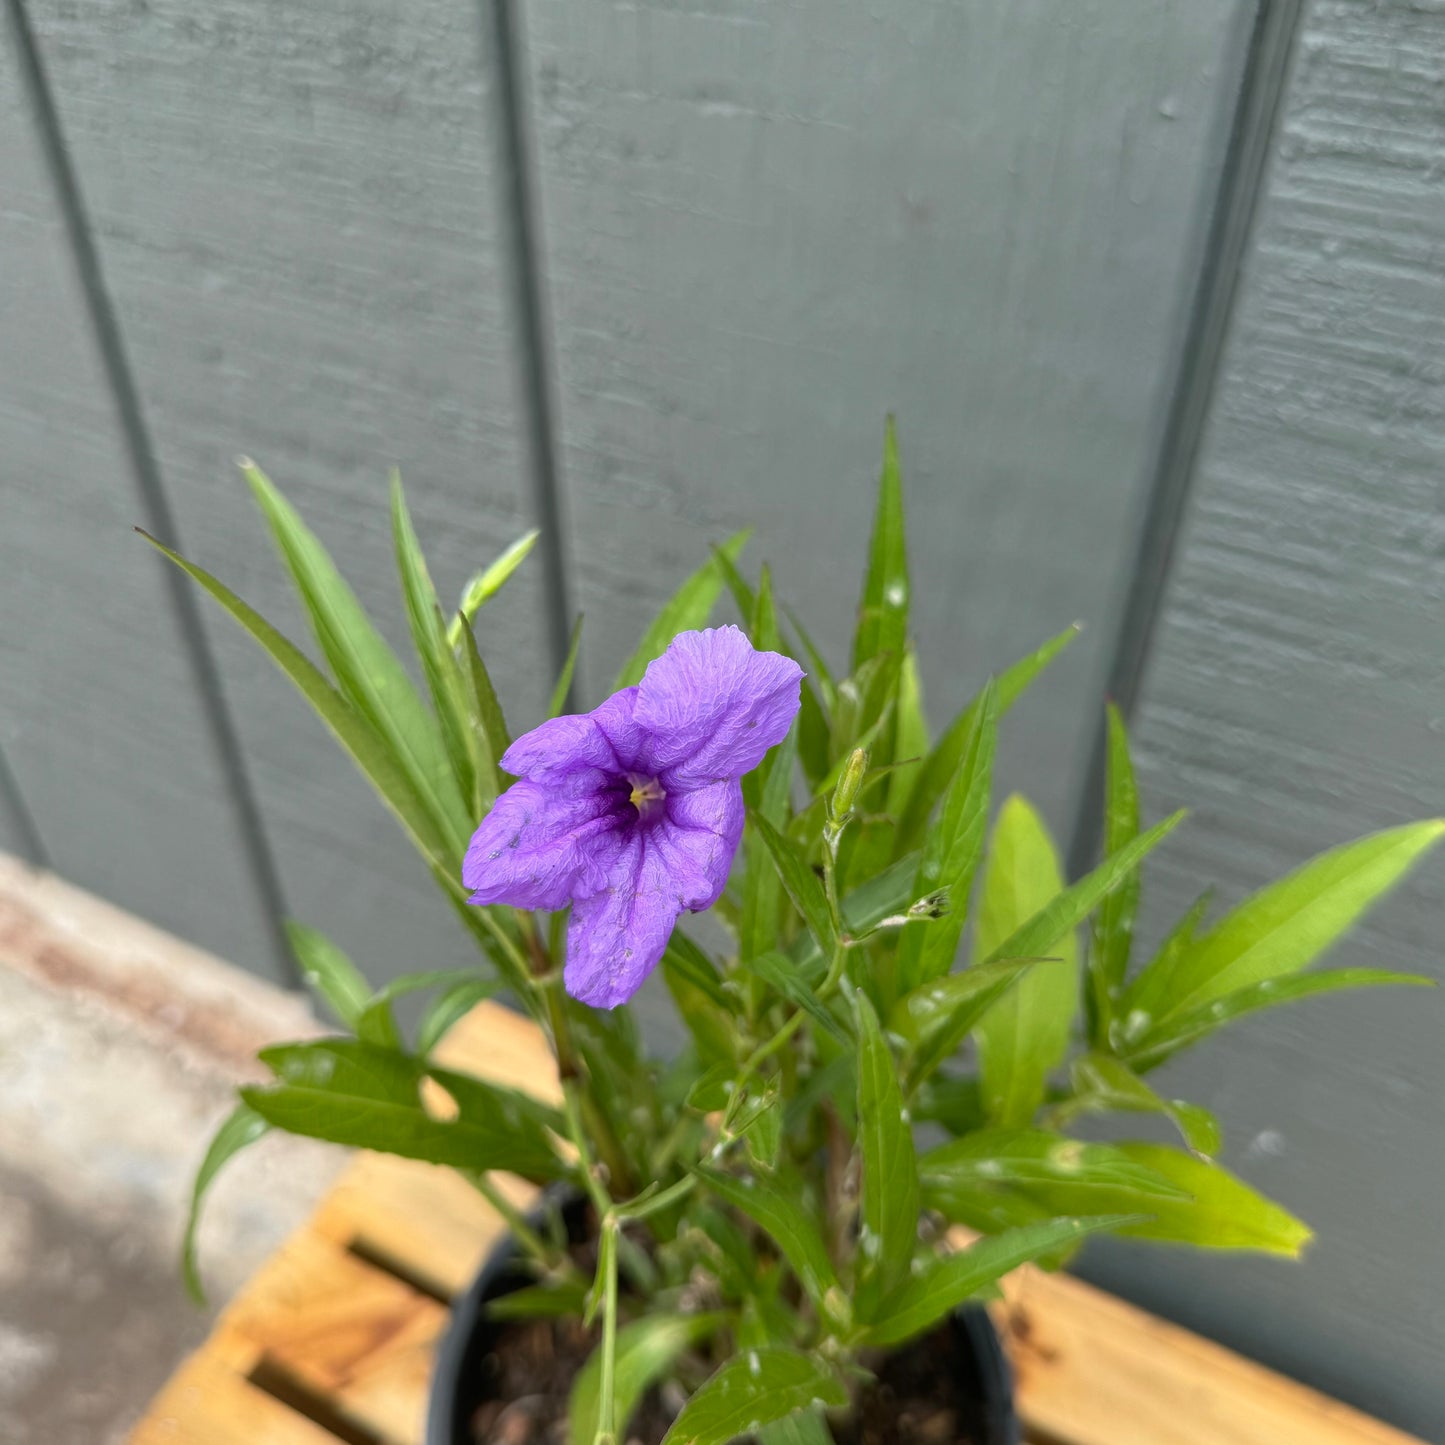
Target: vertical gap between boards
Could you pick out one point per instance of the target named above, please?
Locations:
(155, 505)
(1170, 476)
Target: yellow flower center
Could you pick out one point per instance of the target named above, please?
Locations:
(647, 794)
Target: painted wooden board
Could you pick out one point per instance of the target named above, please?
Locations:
(767, 225)
(101, 721)
(295, 210)
(339, 1327)
(1295, 698)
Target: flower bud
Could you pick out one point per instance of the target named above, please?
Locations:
(848, 784)
(931, 905)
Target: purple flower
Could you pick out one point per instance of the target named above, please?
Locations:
(633, 812)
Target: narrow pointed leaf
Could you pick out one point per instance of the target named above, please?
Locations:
(1060, 1174)
(465, 747)
(449, 1008)
(485, 709)
(1103, 1083)
(1114, 923)
(367, 671)
(940, 766)
(1025, 1035)
(889, 1225)
(802, 885)
(365, 746)
(328, 971)
(770, 1205)
(242, 1128)
(487, 583)
(1283, 928)
(646, 1351)
(781, 974)
(751, 1391)
(761, 896)
(938, 1015)
(911, 739)
(952, 851)
(883, 612)
(763, 624)
(688, 608)
(925, 1299)
(358, 1094)
(539, 1302)
(1181, 1030)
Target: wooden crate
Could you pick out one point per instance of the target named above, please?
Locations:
(333, 1339)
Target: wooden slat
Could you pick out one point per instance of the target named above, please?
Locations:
(211, 1401)
(1091, 1370)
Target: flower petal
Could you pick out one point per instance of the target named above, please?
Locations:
(607, 737)
(698, 840)
(714, 705)
(616, 937)
(543, 843)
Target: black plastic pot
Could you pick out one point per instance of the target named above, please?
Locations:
(460, 1381)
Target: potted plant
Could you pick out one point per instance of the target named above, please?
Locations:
(759, 1237)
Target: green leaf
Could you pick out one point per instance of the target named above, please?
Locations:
(377, 1025)
(646, 1350)
(483, 706)
(743, 595)
(552, 1300)
(889, 1225)
(242, 1127)
(764, 1133)
(806, 1428)
(763, 623)
(487, 583)
(940, 766)
(1181, 1030)
(751, 1391)
(883, 612)
(781, 974)
(367, 671)
(1223, 1212)
(465, 745)
(449, 1008)
(1102, 1082)
(1073, 904)
(1060, 1175)
(952, 851)
(1025, 1035)
(910, 743)
(937, 1016)
(368, 1097)
(689, 607)
(1283, 928)
(562, 691)
(696, 967)
(1114, 922)
(882, 896)
(761, 897)
(352, 730)
(923, 1300)
(703, 1008)
(802, 885)
(817, 664)
(770, 1205)
(330, 972)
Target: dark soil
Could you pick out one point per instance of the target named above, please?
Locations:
(917, 1398)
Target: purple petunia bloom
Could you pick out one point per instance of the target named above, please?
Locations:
(633, 812)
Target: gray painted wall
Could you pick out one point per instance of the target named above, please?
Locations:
(658, 270)
(1294, 698)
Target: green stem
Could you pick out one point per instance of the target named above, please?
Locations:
(516, 1221)
(607, 1385)
(572, 1102)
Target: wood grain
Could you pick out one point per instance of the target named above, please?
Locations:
(1294, 699)
(101, 721)
(295, 212)
(1091, 1370)
(767, 225)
